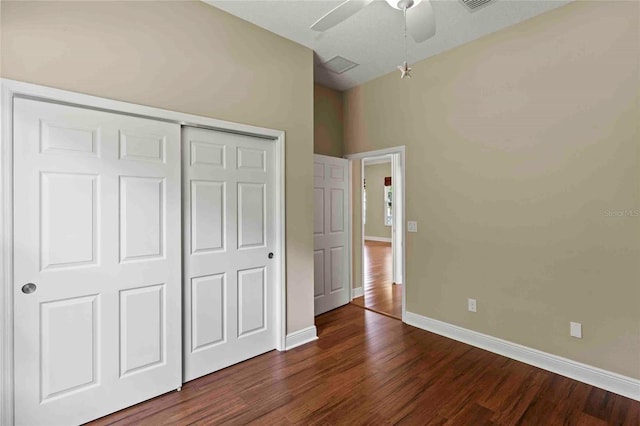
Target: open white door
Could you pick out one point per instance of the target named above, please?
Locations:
(330, 233)
(97, 262)
(229, 245)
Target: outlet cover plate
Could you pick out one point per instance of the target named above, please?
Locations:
(471, 305)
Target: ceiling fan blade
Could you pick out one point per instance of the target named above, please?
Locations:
(421, 22)
(339, 14)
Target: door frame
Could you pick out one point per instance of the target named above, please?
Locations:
(396, 224)
(12, 89)
(360, 156)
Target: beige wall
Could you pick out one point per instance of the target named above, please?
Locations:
(374, 175)
(188, 57)
(327, 121)
(521, 149)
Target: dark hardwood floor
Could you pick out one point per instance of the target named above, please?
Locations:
(370, 369)
(380, 294)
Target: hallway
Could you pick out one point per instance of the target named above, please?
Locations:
(380, 295)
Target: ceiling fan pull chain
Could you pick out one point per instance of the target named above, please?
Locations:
(404, 68)
(405, 33)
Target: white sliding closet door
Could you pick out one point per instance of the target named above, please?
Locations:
(229, 246)
(97, 262)
(330, 237)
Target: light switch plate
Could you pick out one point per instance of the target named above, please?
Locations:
(412, 226)
(575, 329)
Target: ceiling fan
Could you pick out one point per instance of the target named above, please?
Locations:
(420, 21)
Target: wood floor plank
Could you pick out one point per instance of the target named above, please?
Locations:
(371, 369)
(380, 294)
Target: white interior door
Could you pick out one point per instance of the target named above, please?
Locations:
(97, 262)
(229, 246)
(330, 237)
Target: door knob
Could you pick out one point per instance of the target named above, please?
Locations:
(29, 288)
(270, 255)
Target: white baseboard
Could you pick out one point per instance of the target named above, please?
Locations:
(613, 382)
(300, 337)
(357, 292)
(380, 239)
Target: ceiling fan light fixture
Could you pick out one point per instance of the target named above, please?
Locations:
(402, 4)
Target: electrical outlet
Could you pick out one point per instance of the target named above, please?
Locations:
(575, 329)
(471, 304)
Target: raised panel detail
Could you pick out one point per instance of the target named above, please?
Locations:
(141, 218)
(251, 215)
(337, 208)
(251, 159)
(207, 311)
(318, 212)
(142, 328)
(337, 268)
(142, 147)
(252, 302)
(68, 235)
(206, 153)
(318, 273)
(69, 342)
(318, 170)
(207, 216)
(336, 173)
(58, 138)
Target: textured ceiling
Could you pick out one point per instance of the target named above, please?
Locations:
(373, 37)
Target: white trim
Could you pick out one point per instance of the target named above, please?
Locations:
(20, 88)
(613, 382)
(379, 239)
(11, 89)
(397, 230)
(301, 337)
(376, 153)
(403, 165)
(350, 230)
(357, 292)
(378, 160)
(362, 221)
(281, 245)
(6, 258)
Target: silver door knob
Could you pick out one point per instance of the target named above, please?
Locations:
(29, 288)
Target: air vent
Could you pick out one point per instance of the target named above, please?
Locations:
(338, 64)
(473, 5)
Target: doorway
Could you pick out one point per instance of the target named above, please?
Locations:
(381, 247)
